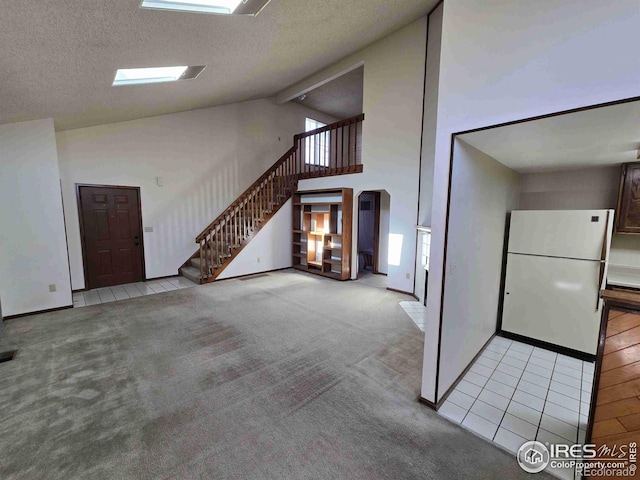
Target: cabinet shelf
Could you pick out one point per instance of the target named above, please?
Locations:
(333, 262)
(314, 204)
(318, 225)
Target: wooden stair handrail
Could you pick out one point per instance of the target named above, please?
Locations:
(227, 235)
(241, 197)
(326, 128)
(331, 126)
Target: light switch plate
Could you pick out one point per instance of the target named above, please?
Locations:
(148, 229)
(53, 288)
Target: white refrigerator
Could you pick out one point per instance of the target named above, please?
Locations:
(556, 266)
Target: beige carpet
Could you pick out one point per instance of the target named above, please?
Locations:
(283, 376)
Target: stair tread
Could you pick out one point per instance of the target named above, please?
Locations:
(191, 273)
(192, 270)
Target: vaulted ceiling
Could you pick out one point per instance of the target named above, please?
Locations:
(341, 98)
(58, 57)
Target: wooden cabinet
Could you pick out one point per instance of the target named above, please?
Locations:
(322, 221)
(628, 211)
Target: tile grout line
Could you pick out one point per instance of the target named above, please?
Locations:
(141, 292)
(483, 387)
(575, 468)
(126, 293)
(515, 389)
(555, 361)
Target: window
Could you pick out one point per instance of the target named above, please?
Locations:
(317, 146)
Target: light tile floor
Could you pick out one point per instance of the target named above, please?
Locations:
(514, 393)
(130, 290)
(417, 312)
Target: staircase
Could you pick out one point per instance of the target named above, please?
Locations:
(331, 150)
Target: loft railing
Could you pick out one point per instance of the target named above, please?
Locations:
(331, 150)
(335, 149)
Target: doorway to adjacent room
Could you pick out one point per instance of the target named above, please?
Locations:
(372, 230)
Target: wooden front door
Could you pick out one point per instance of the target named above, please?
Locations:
(111, 229)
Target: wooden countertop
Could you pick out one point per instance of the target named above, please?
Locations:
(621, 298)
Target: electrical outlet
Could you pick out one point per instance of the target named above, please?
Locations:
(53, 288)
(258, 259)
(408, 276)
(148, 229)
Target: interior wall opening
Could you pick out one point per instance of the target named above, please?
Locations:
(372, 237)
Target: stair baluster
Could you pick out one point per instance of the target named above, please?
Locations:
(330, 150)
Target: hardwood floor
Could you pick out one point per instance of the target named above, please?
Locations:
(617, 414)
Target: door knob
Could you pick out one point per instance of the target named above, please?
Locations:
(136, 244)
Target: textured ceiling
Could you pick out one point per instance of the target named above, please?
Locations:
(340, 98)
(59, 57)
(590, 138)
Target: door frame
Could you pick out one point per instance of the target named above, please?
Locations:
(85, 267)
(376, 229)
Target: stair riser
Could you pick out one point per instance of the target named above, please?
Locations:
(193, 278)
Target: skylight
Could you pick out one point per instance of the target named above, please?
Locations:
(137, 76)
(220, 7)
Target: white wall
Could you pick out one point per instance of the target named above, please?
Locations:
(391, 133)
(434, 44)
(434, 39)
(625, 251)
(33, 250)
(206, 159)
(581, 189)
(504, 61)
(272, 245)
(483, 193)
